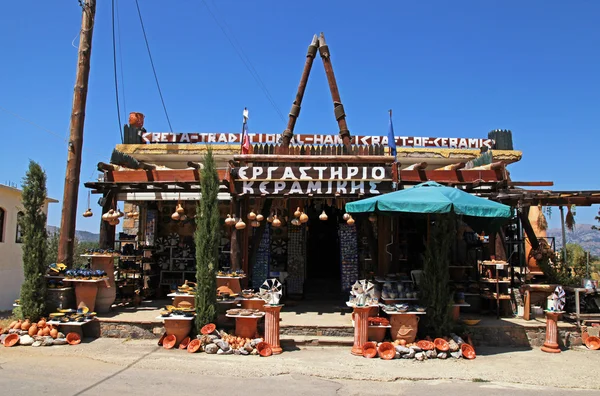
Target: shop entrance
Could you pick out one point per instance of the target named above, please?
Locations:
(323, 253)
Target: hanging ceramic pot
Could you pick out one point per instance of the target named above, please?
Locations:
(114, 222)
(270, 218)
(129, 215)
(251, 215)
(260, 217)
(303, 218)
(180, 209)
(297, 213)
(118, 213)
(255, 224)
(229, 221)
(350, 221)
(240, 225)
(176, 216)
(108, 215)
(372, 217)
(136, 214)
(323, 216)
(346, 216)
(88, 213)
(276, 222)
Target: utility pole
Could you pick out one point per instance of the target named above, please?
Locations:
(71, 190)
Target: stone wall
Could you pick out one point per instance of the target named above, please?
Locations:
(131, 226)
(134, 330)
(522, 337)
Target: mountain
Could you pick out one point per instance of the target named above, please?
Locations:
(582, 235)
(83, 236)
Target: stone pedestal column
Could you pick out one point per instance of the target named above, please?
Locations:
(361, 329)
(272, 327)
(551, 343)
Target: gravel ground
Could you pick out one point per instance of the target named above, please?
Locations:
(569, 369)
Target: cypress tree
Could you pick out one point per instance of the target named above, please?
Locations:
(436, 294)
(33, 225)
(206, 237)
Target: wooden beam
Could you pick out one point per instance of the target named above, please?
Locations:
(530, 183)
(338, 159)
(523, 216)
(159, 175)
(450, 176)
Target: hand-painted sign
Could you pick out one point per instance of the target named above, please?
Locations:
(263, 138)
(306, 180)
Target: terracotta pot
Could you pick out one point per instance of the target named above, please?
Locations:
(26, 325)
(377, 334)
(41, 323)
(73, 338)
(264, 349)
(33, 330)
(254, 304)
(40, 332)
(386, 351)
(592, 343)
(426, 345)
(246, 327)
(193, 346)
(46, 331)
(188, 299)
(441, 345)
(179, 328)
(11, 340)
(105, 296)
(369, 350)
(467, 351)
(12, 324)
(169, 341)
(184, 343)
(404, 327)
(85, 292)
(18, 325)
(161, 339)
(208, 329)
(54, 333)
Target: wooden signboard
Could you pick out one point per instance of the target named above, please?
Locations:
(317, 139)
(312, 180)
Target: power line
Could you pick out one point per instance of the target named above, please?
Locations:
(246, 61)
(114, 44)
(152, 63)
(121, 60)
(66, 140)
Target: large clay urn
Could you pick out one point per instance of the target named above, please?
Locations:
(107, 291)
(85, 292)
(180, 328)
(404, 327)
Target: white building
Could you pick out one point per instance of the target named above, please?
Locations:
(11, 252)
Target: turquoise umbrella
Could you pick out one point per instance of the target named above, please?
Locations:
(431, 197)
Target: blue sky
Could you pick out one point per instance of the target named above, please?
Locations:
(448, 69)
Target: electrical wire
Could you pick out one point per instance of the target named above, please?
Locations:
(114, 45)
(152, 63)
(121, 60)
(246, 61)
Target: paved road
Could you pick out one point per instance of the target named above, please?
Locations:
(109, 367)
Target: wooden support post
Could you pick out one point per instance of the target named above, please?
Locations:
(523, 216)
(338, 107)
(245, 234)
(295, 111)
(107, 231)
(71, 189)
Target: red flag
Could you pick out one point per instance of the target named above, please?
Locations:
(245, 140)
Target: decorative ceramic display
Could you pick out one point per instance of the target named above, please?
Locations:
(270, 291)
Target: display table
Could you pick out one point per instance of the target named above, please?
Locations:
(456, 310)
(253, 303)
(86, 291)
(177, 325)
(245, 326)
(272, 327)
(404, 325)
(179, 297)
(232, 282)
(529, 290)
(360, 314)
(551, 343)
(578, 316)
(70, 327)
(107, 292)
